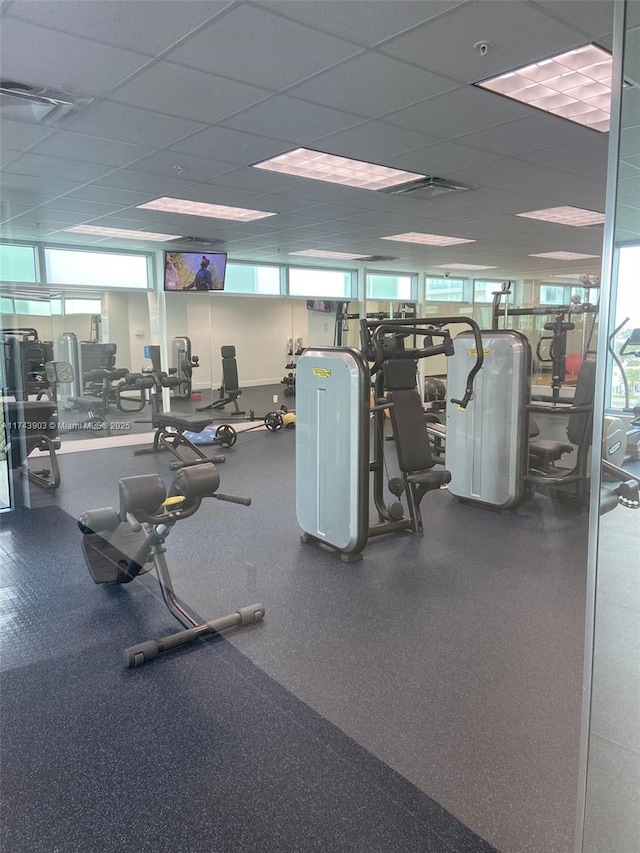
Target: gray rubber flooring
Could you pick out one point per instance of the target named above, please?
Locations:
(456, 658)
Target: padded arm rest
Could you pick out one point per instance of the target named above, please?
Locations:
(543, 447)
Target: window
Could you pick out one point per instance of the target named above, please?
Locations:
(389, 286)
(32, 307)
(104, 270)
(483, 291)
(447, 290)
(82, 306)
(333, 284)
(17, 263)
(554, 294)
(246, 278)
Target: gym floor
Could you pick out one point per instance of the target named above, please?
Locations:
(455, 659)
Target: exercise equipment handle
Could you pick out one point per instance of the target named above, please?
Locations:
(232, 499)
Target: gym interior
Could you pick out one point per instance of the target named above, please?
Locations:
(340, 554)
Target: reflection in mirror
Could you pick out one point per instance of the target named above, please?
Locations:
(611, 746)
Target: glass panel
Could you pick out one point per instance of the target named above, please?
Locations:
(245, 278)
(389, 286)
(17, 263)
(96, 269)
(333, 284)
(612, 744)
(445, 289)
(82, 306)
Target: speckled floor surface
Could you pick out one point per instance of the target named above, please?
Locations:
(455, 659)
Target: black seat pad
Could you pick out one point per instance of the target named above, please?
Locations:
(549, 448)
(192, 423)
(432, 479)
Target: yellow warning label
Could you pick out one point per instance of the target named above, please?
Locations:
(474, 351)
(322, 372)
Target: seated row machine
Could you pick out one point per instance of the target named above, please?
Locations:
(119, 546)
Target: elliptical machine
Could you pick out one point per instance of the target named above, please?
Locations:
(118, 546)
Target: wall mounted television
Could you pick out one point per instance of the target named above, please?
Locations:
(324, 305)
(194, 271)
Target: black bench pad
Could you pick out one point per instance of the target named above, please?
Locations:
(192, 423)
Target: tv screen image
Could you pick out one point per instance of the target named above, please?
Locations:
(324, 305)
(194, 271)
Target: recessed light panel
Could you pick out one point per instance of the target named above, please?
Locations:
(319, 166)
(200, 208)
(566, 216)
(427, 239)
(563, 256)
(463, 267)
(320, 253)
(575, 85)
(99, 231)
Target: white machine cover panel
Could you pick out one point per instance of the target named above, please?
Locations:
(487, 443)
(332, 446)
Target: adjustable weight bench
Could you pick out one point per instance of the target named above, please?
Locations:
(230, 389)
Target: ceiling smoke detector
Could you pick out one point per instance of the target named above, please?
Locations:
(27, 102)
(429, 187)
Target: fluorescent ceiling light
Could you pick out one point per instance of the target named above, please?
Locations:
(463, 267)
(575, 85)
(320, 253)
(566, 216)
(200, 208)
(99, 231)
(336, 170)
(427, 239)
(563, 256)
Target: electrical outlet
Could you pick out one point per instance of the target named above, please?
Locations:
(275, 398)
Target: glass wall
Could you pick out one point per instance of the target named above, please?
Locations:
(609, 807)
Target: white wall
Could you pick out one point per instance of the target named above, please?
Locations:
(258, 327)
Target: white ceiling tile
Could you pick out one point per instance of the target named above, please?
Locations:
(519, 34)
(238, 45)
(182, 166)
(130, 179)
(20, 135)
(7, 156)
(75, 65)
(364, 23)
(257, 181)
(145, 26)
(231, 146)
(372, 142)
(56, 167)
(83, 208)
(459, 112)
(109, 195)
(573, 156)
(526, 134)
(89, 149)
(44, 186)
(371, 85)
(500, 172)
(592, 19)
(440, 159)
(291, 119)
(130, 124)
(162, 88)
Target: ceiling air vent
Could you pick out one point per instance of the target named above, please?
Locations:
(374, 259)
(27, 102)
(428, 188)
(198, 241)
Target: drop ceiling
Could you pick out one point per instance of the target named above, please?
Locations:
(181, 99)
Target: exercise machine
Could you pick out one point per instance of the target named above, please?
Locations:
(170, 428)
(183, 363)
(229, 390)
(630, 347)
(33, 425)
(334, 465)
(24, 357)
(118, 546)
